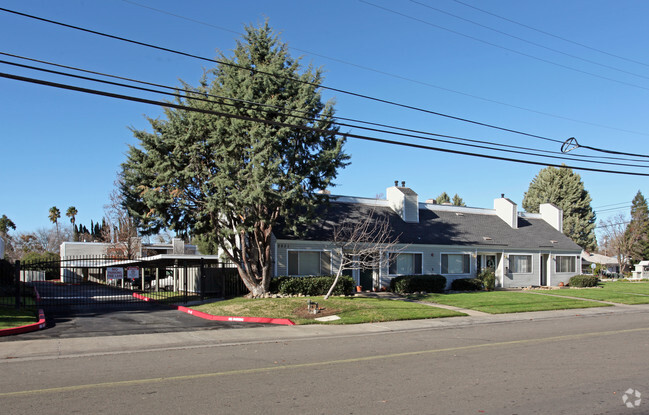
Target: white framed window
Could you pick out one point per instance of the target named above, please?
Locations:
(565, 263)
(520, 264)
(302, 263)
(456, 263)
(405, 264)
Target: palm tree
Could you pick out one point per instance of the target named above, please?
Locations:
(54, 216)
(72, 213)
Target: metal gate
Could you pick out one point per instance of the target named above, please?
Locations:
(108, 281)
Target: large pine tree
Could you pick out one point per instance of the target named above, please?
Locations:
(564, 188)
(638, 229)
(227, 180)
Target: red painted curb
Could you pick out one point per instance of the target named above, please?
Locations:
(27, 328)
(267, 320)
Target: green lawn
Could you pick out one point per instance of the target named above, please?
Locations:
(171, 296)
(616, 292)
(10, 317)
(351, 310)
(499, 302)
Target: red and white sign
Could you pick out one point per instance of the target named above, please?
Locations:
(132, 273)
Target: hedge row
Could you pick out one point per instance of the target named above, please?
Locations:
(312, 285)
(467, 284)
(415, 283)
(584, 281)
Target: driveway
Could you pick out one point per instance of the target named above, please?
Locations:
(97, 316)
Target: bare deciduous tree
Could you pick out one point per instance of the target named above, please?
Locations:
(621, 240)
(120, 230)
(361, 244)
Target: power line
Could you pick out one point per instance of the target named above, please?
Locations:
(275, 109)
(504, 47)
(529, 41)
(392, 75)
(317, 130)
(358, 95)
(551, 34)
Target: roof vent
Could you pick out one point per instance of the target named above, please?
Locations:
(459, 214)
(554, 242)
(487, 238)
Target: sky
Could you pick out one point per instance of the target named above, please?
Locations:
(554, 69)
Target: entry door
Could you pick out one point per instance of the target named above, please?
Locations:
(366, 277)
(490, 262)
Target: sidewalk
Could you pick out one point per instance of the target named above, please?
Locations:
(89, 346)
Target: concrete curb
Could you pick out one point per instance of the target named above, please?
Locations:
(266, 320)
(26, 328)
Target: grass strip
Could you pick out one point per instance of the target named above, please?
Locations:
(10, 317)
(500, 302)
(351, 310)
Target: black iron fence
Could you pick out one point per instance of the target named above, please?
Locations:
(105, 281)
(13, 292)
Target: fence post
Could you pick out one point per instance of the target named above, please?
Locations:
(17, 284)
(202, 279)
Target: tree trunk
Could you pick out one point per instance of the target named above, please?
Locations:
(331, 289)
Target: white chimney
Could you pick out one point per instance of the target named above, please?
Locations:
(404, 201)
(506, 210)
(552, 215)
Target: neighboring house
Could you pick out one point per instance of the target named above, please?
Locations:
(523, 249)
(96, 249)
(641, 270)
(609, 264)
(159, 256)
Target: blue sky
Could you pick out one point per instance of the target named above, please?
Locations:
(64, 148)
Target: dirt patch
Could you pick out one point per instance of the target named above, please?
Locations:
(303, 312)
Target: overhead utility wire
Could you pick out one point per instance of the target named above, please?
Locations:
(384, 101)
(551, 34)
(311, 119)
(275, 107)
(503, 47)
(281, 124)
(392, 75)
(529, 41)
(342, 91)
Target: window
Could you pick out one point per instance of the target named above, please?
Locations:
(309, 263)
(405, 264)
(520, 264)
(565, 264)
(456, 264)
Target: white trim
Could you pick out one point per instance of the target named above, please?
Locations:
(308, 250)
(441, 254)
(575, 258)
(530, 254)
(406, 253)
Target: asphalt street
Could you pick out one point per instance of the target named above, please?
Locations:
(560, 362)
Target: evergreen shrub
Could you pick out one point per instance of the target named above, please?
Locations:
(584, 281)
(413, 283)
(314, 285)
(467, 284)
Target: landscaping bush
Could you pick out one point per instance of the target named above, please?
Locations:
(584, 281)
(316, 285)
(275, 283)
(414, 283)
(467, 284)
(488, 278)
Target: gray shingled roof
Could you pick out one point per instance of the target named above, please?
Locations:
(442, 227)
